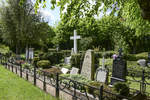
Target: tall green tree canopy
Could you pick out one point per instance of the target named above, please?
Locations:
(21, 26)
(134, 13)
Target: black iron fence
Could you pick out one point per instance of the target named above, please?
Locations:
(77, 90)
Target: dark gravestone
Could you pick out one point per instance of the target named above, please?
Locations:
(119, 70)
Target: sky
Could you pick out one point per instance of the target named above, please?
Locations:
(53, 16)
(50, 16)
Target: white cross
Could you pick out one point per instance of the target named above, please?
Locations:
(103, 62)
(75, 37)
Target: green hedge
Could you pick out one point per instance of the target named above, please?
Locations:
(43, 64)
(76, 60)
(135, 57)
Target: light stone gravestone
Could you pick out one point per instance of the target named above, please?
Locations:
(74, 71)
(88, 68)
(142, 62)
(74, 38)
(31, 53)
(102, 75)
(67, 60)
(64, 70)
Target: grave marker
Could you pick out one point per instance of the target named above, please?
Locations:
(102, 75)
(74, 71)
(119, 69)
(64, 70)
(67, 60)
(74, 38)
(88, 68)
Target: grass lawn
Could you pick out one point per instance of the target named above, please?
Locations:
(14, 88)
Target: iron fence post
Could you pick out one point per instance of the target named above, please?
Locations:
(57, 85)
(34, 75)
(101, 93)
(143, 85)
(75, 87)
(27, 74)
(44, 83)
(12, 68)
(20, 70)
(16, 70)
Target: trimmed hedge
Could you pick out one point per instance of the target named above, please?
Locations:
(135, 57)
(76, 60)
(43, 64)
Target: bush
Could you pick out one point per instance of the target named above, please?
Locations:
(76, 60)
(23, 57)
(95, 92)
(135, 57)
(4, 49)
(27, 65)
(77, 77)
(52, 50)
(121, 88)
(36, 59)
(43, 64)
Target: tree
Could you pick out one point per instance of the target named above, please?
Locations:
(21, 26)
(128, 10)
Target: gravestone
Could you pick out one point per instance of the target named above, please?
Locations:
(142, 62)
(31, 53)
(64, 70)
(102, 75)
(88, 68)
(119, 70)
(74, 71)
(67, 60)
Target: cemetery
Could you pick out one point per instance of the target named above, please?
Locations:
(99, 50)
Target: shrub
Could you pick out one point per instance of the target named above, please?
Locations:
(52, 50)
(76, 60)
(135, 57)
(4, 49)
(23, 57)
(43, 64)
(121, 88)
(36, 59)
(27, 65)
(95, 92)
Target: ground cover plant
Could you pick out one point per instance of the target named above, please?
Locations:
(14, 88)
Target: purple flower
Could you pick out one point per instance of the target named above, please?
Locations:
(114, 56)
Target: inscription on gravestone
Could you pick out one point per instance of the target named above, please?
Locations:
(119, 70)
(74, 71)
(88, 68)
(102, 75)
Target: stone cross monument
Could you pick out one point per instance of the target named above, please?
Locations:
(74, 38)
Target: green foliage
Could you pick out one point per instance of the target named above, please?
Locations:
(135, 57)
(23, 57)
(36, 59)
(77, 77)
(76, 60)
(96, 92)
(43, 64)
(22, 27)
(27, 65)
(4, 49)
(122, 88)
